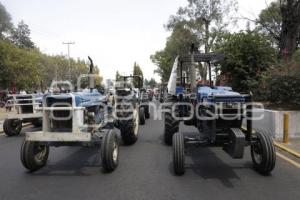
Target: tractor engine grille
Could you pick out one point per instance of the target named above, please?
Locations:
(60, 120)
(26, 99)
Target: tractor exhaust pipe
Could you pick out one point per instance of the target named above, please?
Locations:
(91, 77)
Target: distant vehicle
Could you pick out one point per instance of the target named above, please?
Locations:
(150, 94)
(129, 113)
(145, 102)
(25, 107)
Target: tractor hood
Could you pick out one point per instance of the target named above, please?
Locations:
(84, 98)
(87, 98)
(218, 94)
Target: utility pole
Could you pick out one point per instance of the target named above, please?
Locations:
(69, 58)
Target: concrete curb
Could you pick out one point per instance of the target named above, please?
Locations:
(284, 148)
(288, 160)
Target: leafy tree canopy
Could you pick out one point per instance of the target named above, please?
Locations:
(137, 71)
(247, 55)
(21, 36)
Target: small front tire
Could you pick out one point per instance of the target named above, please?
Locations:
(263, 154)
(178, 154)
(110, 151)
(34, 155)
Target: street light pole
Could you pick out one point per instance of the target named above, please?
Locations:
(69, 58)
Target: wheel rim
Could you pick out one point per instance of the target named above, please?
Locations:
(257, 153)
(40, 152)
(115, 152)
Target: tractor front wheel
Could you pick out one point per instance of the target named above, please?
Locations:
(178, 153)
(34, 155)
(263, 154)
(110, 151)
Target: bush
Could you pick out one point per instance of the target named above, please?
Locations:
(283, 89)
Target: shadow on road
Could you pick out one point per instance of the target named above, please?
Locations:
(75, 164)
(208, 165)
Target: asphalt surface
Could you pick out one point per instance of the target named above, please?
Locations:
(144, 172)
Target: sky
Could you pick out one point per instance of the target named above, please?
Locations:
(114, 33)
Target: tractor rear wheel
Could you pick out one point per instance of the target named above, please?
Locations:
(110, 151)
(34, 155)
(12, 127)
(129, 128)
(178, 153)
(263, 153)
(171, 125)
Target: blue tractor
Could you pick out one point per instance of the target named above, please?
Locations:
(217, 112)
(73, 119)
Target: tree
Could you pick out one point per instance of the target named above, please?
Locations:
(178, 43)
(247, 55)
(146, 82)
(152, 83)
(201, 22)
(18, 67)
(270, 22)
(137, 71)
(21, 36)
(290, 28)
(118, 76)
(208, 19)
(5, 22)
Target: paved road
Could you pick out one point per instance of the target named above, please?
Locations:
(144, 172)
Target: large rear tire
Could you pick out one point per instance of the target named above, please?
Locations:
(12, 127)
(129, 129)
(178, 154)
(34, 155)
(171, 125)
(263, 154)
(110, 151)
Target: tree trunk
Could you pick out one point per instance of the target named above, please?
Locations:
(290, 28)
